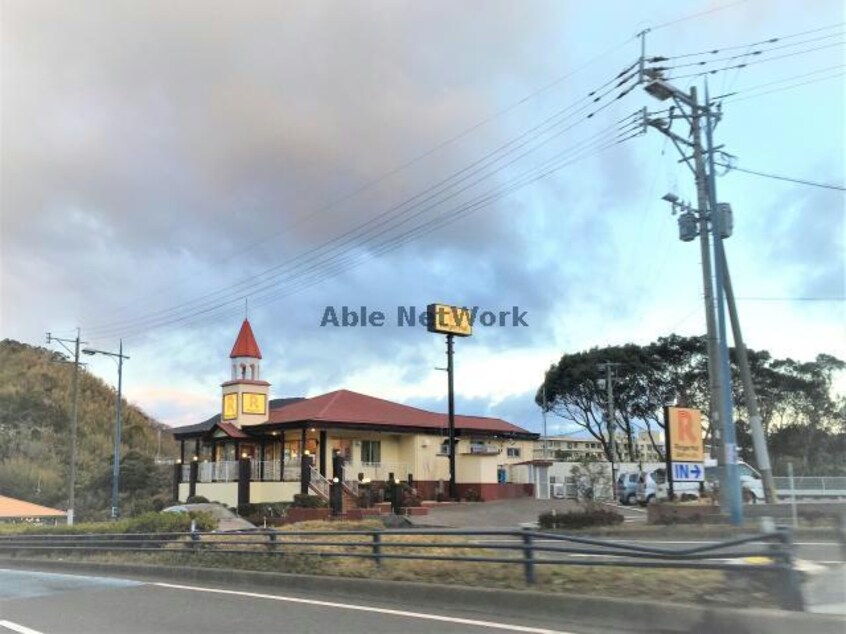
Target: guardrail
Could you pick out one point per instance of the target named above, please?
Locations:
(526, 548)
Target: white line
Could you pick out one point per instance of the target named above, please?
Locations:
(364, 608)
(18, 628)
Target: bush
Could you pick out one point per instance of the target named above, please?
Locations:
(306, 501)
(579, 519)
(147, 523)
(473, 495)
(256, 513)
(196, 499)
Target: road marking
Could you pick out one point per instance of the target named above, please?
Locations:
(21, 629)
(365, 608)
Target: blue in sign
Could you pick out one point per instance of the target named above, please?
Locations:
(688, 472)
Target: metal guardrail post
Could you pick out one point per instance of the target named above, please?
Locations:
(377, 548)
(195, 537)
(528, 556)
(841, 534)
(791, 584)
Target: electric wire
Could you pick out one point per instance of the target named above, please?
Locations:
(394, 242)
(379, 220)
(781, 178)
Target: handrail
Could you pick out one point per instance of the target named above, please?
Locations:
(319, 484)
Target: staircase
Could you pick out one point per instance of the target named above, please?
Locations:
(320, 486)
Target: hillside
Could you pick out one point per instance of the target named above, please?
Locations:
(35, 404)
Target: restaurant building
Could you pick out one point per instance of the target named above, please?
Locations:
(257, 449)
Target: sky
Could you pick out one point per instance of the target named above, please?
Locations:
(167, 169)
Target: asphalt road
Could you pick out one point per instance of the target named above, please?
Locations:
(49, 603)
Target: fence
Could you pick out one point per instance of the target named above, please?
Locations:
(525, 548)
(812, 486)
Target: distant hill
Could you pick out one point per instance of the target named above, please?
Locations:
(35, 405)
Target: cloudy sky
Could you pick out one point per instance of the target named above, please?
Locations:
(166, 163)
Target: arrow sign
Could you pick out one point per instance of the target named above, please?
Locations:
(688, 471)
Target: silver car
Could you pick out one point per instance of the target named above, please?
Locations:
(627, 488)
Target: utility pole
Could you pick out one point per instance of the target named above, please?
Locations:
(74, 415)
(116, 465)
(543, 409)
(729, 439)
(608, 368)
(720, 405)
(759, 442)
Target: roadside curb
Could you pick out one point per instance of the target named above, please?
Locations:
(616, 614)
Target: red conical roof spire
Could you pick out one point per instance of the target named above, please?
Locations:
(245, 344)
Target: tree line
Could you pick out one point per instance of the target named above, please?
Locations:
(804, 420)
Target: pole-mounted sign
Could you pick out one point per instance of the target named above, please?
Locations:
(449, 321)
(684, 449)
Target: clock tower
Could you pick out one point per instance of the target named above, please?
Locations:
(245, 395)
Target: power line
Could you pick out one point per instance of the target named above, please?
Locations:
(391, 243)
(759, 61)
(427, 153)
(792, 299)
(762, 51)
(697, 15)
(779, 81)
(782, 178)
(391, 214)
(738, 47)
(791, 87)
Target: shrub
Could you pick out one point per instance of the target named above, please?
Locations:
(196, 499)
(256, 513)
(473, 495)
(579, 519)
(306, 501)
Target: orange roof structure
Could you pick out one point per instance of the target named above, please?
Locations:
(245, 344)
(10, 508)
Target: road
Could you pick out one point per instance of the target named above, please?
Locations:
(49, 603)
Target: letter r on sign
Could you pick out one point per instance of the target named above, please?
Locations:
(686, 428)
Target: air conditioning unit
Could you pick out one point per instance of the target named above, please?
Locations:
(557, 490)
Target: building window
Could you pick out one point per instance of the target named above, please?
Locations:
(513, 452)
(371, 451)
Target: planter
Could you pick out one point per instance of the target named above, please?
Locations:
(296, 514)
(665, 513)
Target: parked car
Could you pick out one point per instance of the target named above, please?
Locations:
(653, 485)
(751, 483)
(646, 488)
(627, 488)
(226, 519)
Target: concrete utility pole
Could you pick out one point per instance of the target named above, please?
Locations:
(74, 415)
(116, 465)
(608, 368)
(720, 406)
(543, 409)
(759, 442)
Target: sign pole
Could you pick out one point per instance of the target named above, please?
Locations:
(668, 459)
(451, 399)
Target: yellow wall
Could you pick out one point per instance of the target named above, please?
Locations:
(223, 492)
(273, 491)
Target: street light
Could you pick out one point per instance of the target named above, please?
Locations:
(116, 467)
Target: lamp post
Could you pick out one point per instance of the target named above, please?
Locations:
(116, 466)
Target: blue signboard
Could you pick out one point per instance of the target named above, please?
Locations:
(688, 472)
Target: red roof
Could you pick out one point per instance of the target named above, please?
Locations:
(344, 406)
(245, 344)
(231, 430)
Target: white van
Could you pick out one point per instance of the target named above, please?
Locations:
(652, 485)
(751, 483)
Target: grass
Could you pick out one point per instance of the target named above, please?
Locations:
(687, 586)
